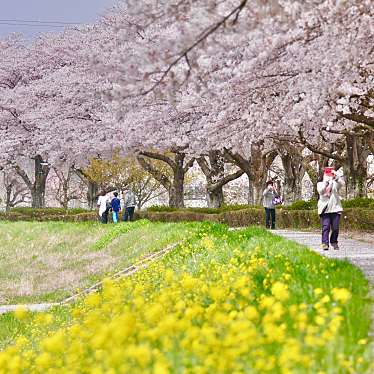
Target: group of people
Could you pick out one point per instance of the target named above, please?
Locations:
(106, 205)
(329, 206)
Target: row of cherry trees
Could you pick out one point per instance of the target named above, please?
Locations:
(213, 82)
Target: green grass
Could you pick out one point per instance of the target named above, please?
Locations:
(47, 261)
(231, 252)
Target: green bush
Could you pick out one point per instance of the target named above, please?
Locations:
(161, 208)
(359, 202)
(302, 205)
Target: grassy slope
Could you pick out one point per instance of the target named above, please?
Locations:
(50, 260)
(229, 250)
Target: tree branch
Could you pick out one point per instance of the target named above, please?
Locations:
(159, 156)
(159, 176)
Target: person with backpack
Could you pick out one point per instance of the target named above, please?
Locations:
(270, 198)
(330, 207)
(116, 207)
(129, 206)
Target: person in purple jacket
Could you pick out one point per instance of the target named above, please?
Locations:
(116, 207)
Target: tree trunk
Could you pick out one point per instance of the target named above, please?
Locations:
(251, 197)
(92, 193)
(355, 169)
(38, 188)
(8, 197)
(355, 181)
(65, 198)
(213, 168)
(257, 192)
(293, 175)
(215, 198)
(176, 190)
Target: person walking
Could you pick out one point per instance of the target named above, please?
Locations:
(129, 206)
(116, 207)
(102, 204)
(330, 207)
(268, 203)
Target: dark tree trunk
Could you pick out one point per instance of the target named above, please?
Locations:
(38, 188)
(214, 188)
(293, 175)
(355, 168)
(355, 181)
(251, 197)
(8, 198)
(176, 191)
(92, 193)
(215, 198)
(257, 191)
(65, 192)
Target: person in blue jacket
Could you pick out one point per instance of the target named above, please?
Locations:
(116, 207)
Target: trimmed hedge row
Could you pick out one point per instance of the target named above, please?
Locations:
(81, 217)
(353, 219)
(358, 202)
(27, 211)
(203, 210)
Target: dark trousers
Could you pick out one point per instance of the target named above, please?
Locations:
(104, 217)
(270, 215)
(330, 221)
(129, 213)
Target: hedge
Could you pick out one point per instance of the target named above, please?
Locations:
(179, 216)
(353, 219)
(358, 202)
(81, 217)
(27, 211)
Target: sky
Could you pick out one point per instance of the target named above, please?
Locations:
(76, 11)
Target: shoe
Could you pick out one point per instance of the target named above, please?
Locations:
(325, 247)
(335, 246)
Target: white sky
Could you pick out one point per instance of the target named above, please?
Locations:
(76, 11)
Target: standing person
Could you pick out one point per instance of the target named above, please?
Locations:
(330, 207)
(268, 202)
(129, 206)
(116, 207)
(102, 204)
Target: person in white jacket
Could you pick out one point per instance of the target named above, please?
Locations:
(102, 204)
(330, 208)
